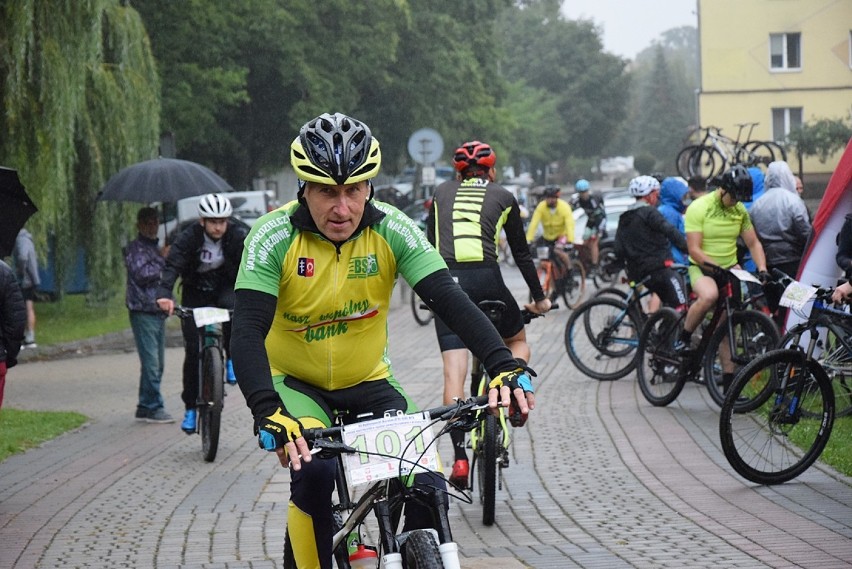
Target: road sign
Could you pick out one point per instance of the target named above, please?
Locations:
(425, 146)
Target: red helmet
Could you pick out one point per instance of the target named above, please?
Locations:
(474, 153)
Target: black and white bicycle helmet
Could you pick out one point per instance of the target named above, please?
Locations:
(215, 206)
(641, 186)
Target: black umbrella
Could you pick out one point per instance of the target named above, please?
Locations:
(162, 180)
(16, 207)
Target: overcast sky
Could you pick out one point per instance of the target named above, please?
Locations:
(629, 26)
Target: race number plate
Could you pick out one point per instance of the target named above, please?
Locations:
(209, 315)
(796, 295)
(381, 443)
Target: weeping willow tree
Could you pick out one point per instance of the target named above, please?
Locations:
(80, 96)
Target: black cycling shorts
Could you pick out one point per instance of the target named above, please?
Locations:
(482, 282)
(669, 285)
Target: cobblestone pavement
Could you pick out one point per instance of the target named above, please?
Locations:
(599, 478)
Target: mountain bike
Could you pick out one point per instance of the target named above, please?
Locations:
(557, 279)
(717, 152)
(663, 369)
(211, 373)
(490, 440)
(778, 414)
(384, 454)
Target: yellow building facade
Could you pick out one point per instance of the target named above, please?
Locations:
(780, 63)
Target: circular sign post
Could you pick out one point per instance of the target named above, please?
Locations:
(425, 147)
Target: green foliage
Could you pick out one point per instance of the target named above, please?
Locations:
(23, 430)
(80, 95)
(822, 137)
(565, 60)
(77, 317)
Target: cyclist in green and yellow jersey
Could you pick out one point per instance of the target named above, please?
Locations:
(312, 300)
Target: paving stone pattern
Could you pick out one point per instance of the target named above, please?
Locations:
(598, 478)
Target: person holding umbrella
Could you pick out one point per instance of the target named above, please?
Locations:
(206, 256)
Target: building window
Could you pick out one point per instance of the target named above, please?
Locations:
(785, 51)
(784, 120)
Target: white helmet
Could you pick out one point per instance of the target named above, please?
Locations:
(641, 186)
(215, 206)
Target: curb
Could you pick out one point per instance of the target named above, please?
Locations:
(114, 342)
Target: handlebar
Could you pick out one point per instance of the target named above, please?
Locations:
(460, 409)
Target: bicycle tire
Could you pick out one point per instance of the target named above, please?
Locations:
(486, 468)
(420, 551)
(768, 149)
(213, 396)
(706, 161)
(763, 442)
(575, 287)
(609, 267)
(658, 367)
(601, 337)
(834, 360)
(754, 333)
(613, 291)
(755, 153)
(421, 315)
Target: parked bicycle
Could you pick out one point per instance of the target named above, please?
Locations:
(490, 439)
(211, 373)
(716, 152)
(385, 453)
(779, 412)
(556, 279)
(663, 370)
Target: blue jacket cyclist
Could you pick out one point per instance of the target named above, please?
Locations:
(312, 300)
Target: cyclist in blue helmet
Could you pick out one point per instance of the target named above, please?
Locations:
(595, 219)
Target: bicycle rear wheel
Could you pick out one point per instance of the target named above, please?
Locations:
(754, 334)
(658, 366)
(420, 551)
(422, 315)
(772, 433)
(601, 337)
(485, 463)
(213, 396)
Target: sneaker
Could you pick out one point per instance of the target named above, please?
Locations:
(461, 469)
(141, 414)
(229, 372)
(159, 416)
(190, 421)
(29, 345)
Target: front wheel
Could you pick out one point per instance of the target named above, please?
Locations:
(754, 334)
(213, 399)
(658, 366)
(601, 337)
(486, 467)
(420, 551)
(777, 417)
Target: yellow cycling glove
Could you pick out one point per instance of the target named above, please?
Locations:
(277, 429)
(514, 379)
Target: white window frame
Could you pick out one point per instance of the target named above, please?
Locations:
(850, 49)
(784, 68)
(787, 126)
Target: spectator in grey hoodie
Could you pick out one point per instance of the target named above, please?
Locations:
(783, 227)
(26, 268)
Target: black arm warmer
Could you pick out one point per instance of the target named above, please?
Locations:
(447, 300)
(253, 315)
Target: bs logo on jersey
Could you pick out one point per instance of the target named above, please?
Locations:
(363, 267)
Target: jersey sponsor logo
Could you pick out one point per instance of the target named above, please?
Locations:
(363, 267)
(305, 267)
